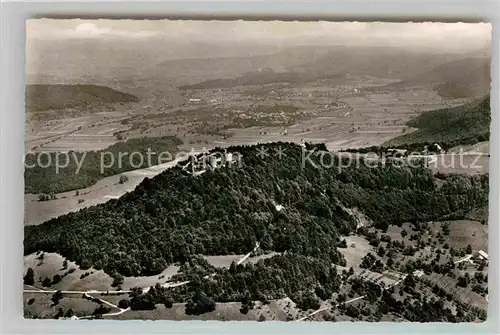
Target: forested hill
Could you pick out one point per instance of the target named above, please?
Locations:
(262, 78)
(466, 124)
(82, 170)
(45, 97)
(176, 215)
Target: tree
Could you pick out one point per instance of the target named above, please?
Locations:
(56, 279)
(445, 227)
(31, 301)
(367, 261)
(244, 309)
(56, 297)
(323, 293)
(43, 197)
(101, 310)
(65, 264)
(123, 179)
(46, 282)
(69, 313)
(352, 311)
(409, 284)
(477, 288)
(343, 244)
(381, 251)
(306, 300)
(124, 303)
(29, 278)
(142, 302)
(385, 238)
(261, 318)
(390, 262)
(117, 280)
(200, 304)
(59, 314)
(468, 250)
(169, 302)
(463, 282)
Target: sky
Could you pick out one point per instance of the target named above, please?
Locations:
(446, 36)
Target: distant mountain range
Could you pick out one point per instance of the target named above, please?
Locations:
(95, 61)
(382, 62)
(466, 77)
(451, 75)
(46, 97)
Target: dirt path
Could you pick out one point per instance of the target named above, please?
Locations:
(345, 303)
(144, 289)
(466, 258)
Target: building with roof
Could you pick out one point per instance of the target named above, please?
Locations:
(483, 255)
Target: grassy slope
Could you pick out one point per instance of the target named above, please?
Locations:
(448, 124)
(45, 97)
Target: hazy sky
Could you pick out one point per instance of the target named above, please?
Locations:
(446, 36)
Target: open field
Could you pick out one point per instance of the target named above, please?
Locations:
(42, 307)
(357, 248)
(478, 148)
(464, 232)
(94, 282)
(277, 310)
(338, 115)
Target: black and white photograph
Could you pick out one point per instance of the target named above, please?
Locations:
(239, 170)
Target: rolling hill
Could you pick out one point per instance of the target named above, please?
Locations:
(465, 124)
(174, 216)
(261, 78)
(40, 97)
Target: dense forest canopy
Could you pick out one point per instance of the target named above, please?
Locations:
(42, 177)
(174, 215)
(42, 97)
